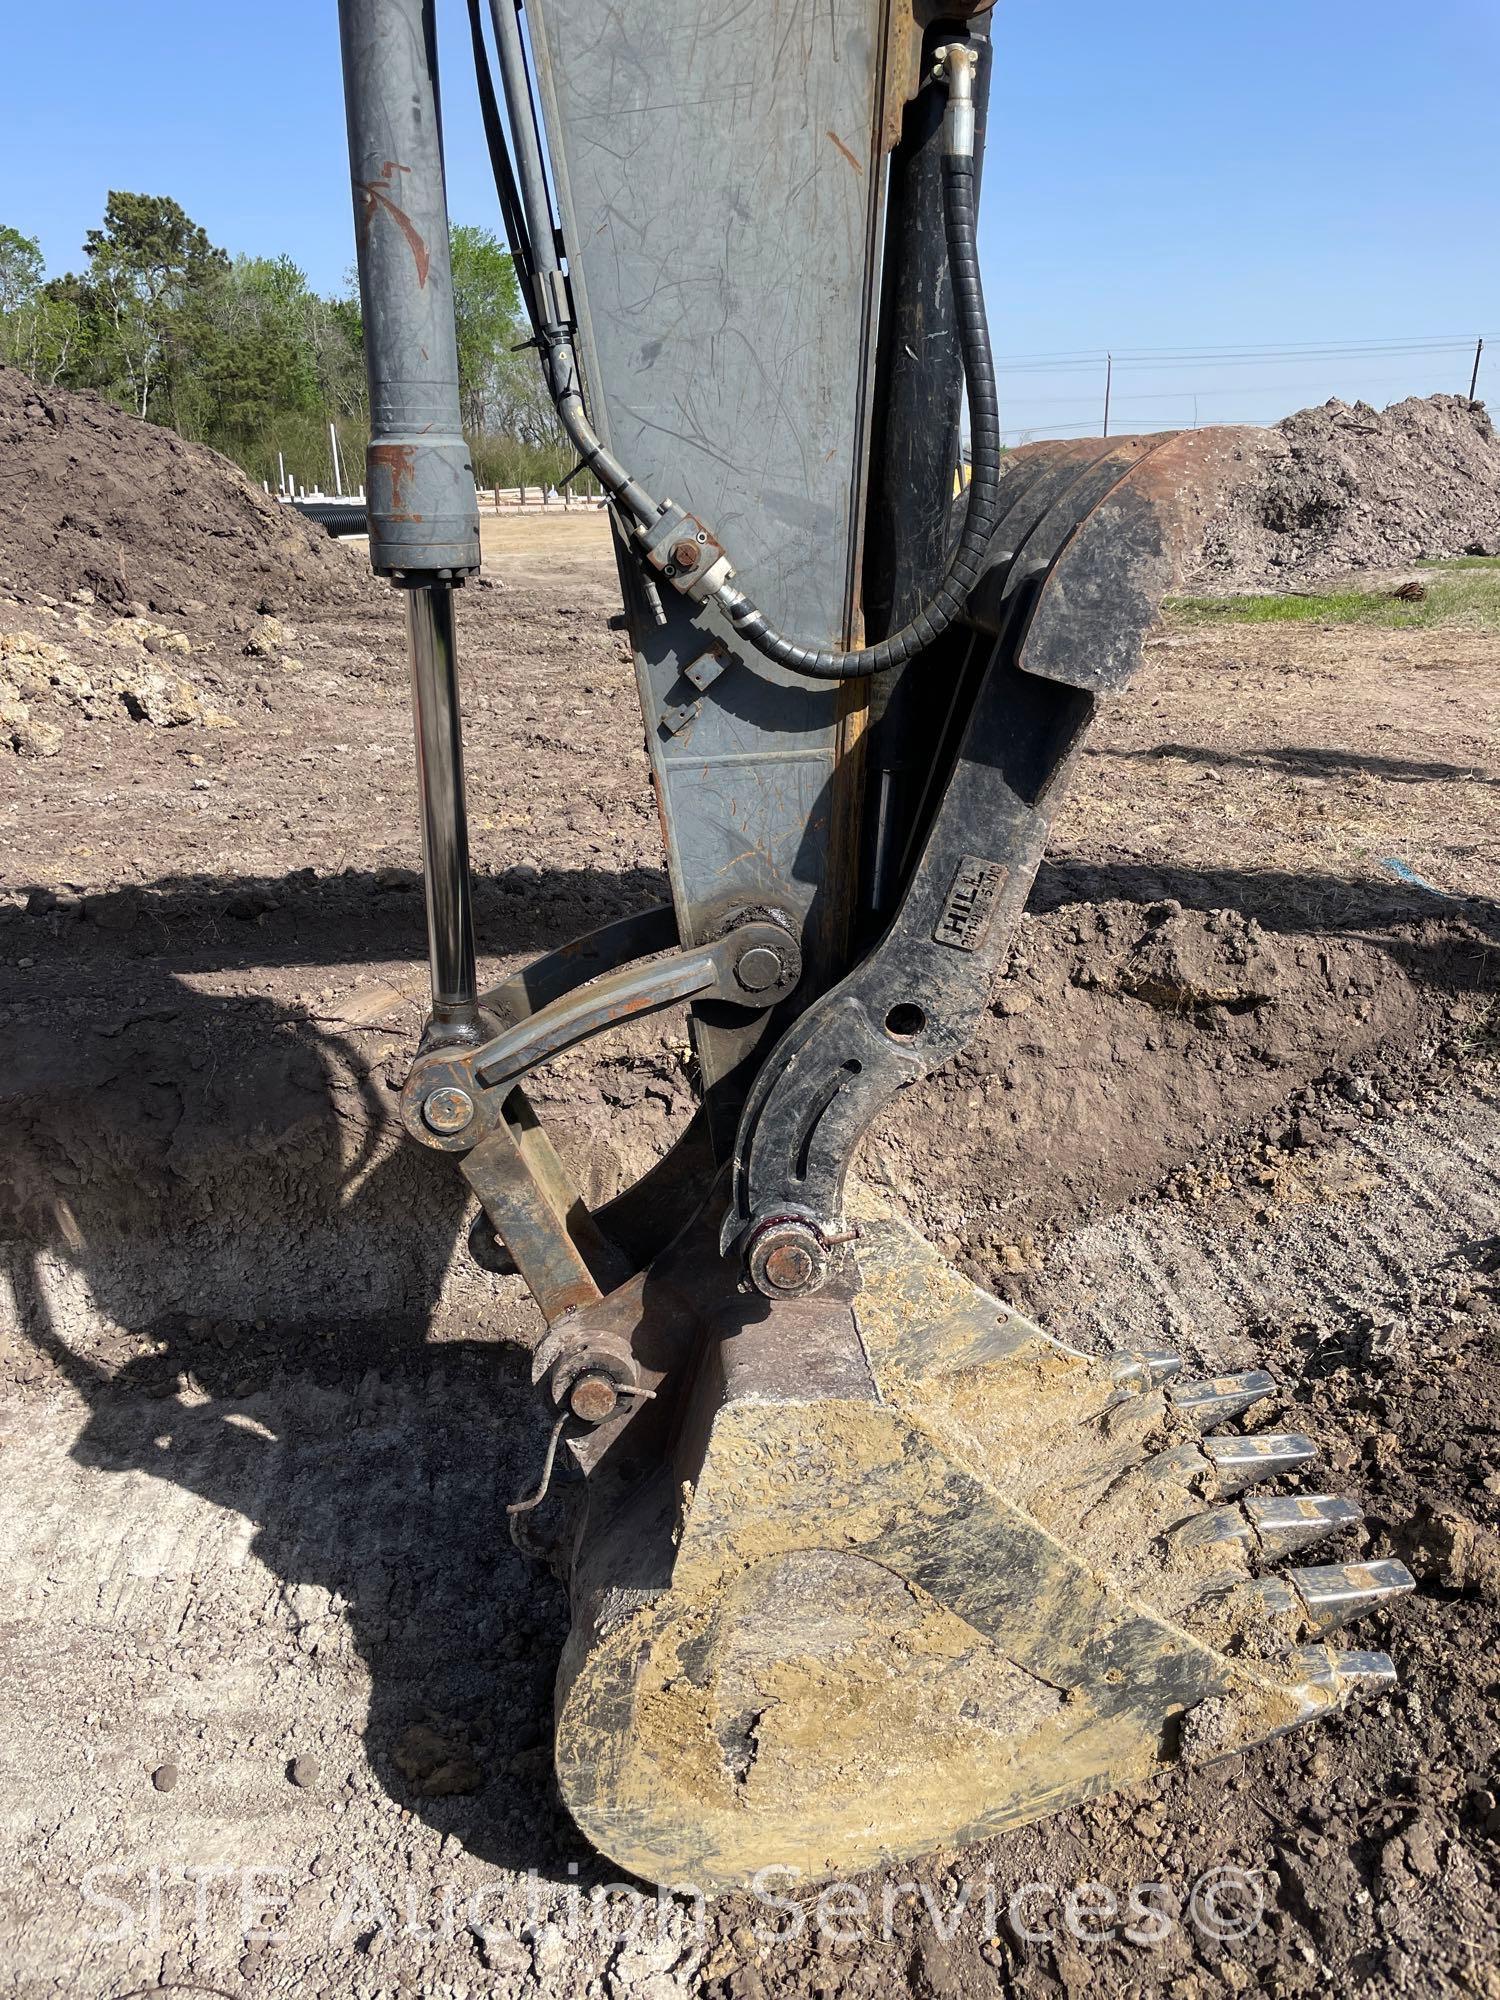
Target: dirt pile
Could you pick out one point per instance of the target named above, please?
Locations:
(93, 500)
(1126, 1041)
(1346, 487)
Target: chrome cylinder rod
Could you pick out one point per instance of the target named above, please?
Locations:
(445, 824)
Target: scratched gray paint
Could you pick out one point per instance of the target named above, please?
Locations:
(717, 197)
(718, 187)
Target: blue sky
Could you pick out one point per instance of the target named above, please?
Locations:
(1287, 173)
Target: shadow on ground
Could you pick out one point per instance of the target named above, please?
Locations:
(217, 1235)
(1310, 762)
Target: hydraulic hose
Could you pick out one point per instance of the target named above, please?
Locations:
(983, 513)
(522, 186)
(512, 215)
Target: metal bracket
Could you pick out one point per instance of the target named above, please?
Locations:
(536, 1210)
(914, 1002)
(688, 554)
(705, 670)
(554, 298)
(675, 720)
(702, 672)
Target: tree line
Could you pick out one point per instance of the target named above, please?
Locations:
(241, 353)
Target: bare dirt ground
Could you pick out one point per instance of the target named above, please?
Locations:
(1238, 1092)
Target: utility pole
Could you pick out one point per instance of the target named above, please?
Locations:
(1474, 378)
(1109, 379)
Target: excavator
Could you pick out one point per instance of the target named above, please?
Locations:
(861, 1561)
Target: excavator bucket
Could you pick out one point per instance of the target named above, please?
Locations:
(913, 1572)
(860, 1560)
(883, 1567)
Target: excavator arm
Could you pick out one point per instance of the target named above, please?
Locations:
(860, 1561)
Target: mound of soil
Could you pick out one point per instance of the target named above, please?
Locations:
(1126, 1040)
(95, 500)
(1348, 487)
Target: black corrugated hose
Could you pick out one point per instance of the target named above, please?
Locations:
(961, 216)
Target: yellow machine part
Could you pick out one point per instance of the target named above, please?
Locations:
(930, 1577)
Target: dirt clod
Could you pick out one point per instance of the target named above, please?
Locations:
(436, 1768)
(1455, 1551)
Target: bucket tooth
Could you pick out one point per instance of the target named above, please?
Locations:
(1344, 1673)
(1335, 1594)
(1239, 1462)
(1274, 1526)
(1183, 1463)
(1306, 1604)
(1221, 1398)
(1275, 1599)
(1143, 1368)
(1291, 1522)
(1221, 1468)
(1365, 1670)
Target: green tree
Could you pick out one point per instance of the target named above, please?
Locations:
(145, 265)
(38, 330)
(252, 347)
(486, 313)
(507, 413)
(338, 340)
(246, 356)
(270, 365)
(21, 268)
(20, 294)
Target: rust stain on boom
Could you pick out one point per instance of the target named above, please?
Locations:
(377, 195)
(398, 462)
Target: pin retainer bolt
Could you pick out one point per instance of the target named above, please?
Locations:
(788, 1259)
(447, 1110)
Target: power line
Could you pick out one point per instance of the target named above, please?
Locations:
(1076, 360)
(1247, 347)
(1421, 355)
(1038, 433)
(1160, 395)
